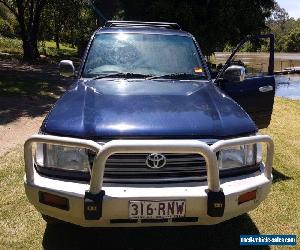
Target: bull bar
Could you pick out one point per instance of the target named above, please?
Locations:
(94, 196)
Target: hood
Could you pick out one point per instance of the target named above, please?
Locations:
(146, 109)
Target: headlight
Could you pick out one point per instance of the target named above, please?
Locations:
(63, 158)
(239, 156)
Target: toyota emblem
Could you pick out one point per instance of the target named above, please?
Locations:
(156, 160)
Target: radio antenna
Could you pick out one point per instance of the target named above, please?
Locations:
(98, 12)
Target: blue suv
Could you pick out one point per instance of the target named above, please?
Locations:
(145, 137)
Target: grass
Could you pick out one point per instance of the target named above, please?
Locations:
(9, 45)
(21, 226)
(49, 48)
(12, 48)
(281, 209)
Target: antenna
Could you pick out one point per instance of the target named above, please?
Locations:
(98, 12)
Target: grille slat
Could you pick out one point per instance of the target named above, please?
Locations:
(173, 162)
(142, 160)
(154, 173)
(125, 169)
(132, 168)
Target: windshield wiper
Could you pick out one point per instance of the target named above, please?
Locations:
(121, 75)
(176, 76)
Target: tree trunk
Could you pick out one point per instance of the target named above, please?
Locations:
(81, 46)
(29, 32)
(30, 49)
(56, 38)
(28, 13)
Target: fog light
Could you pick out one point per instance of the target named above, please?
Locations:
(54, 200)
(247, 197)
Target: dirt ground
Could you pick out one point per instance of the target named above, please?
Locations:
(15, 133)
(22, 113)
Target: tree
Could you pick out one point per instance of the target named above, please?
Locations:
(283, 27)
(71, 21)
(213, 22)
(59, 18)
(292, 41)
(279, 16)
(7, 23)
(28, 14)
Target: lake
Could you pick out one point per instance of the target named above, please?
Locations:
(286, 85)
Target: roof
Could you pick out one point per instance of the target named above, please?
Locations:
(167, 25)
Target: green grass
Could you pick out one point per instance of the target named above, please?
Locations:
(280, 213)
(21, 226)
(9, 45)
(49, 48)
(12, 48)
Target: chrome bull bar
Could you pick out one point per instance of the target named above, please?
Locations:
(94, 196)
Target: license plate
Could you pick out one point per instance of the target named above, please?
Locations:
(156, 209)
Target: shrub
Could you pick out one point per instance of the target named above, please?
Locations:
(6, 28)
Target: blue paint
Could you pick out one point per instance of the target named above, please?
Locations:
(138, 108)
(154, 109)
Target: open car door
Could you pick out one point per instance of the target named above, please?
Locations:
(252, 86)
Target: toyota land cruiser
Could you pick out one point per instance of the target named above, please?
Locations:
(145, 137)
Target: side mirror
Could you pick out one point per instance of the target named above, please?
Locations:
(66, 68)
(235, 73)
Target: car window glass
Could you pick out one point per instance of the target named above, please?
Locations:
(150, 54)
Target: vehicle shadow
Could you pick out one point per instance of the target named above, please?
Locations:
(222, 236)
(278, 176)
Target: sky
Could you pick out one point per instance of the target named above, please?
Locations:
(291, 6)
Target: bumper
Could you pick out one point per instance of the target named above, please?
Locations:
(114, 203)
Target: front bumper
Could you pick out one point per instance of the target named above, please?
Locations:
(114, 203)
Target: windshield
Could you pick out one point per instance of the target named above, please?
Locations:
(143, 54)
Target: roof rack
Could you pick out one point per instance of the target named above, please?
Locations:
(111, 23)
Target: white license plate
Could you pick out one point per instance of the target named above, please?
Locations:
(156, 209)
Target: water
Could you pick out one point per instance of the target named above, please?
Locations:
(287, 86)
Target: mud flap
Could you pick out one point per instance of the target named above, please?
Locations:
(93, 205)
(215, 203)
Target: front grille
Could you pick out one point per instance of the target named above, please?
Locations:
(132, 168)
